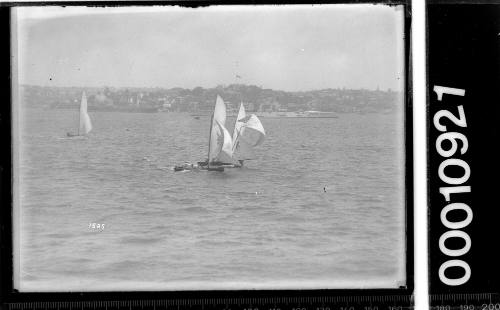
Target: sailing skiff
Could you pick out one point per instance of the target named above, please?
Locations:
(224, 150)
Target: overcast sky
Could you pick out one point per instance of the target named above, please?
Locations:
(280, 47)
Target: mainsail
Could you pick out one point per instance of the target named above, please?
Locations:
(248, 133)
(85, 123)
(226, 151)
(220, 146)
(220, 111)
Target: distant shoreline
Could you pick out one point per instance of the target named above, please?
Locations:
(200, 100)
(200, 115)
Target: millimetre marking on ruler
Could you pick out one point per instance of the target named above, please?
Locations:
(468, 296)
(306, 302)
(456, 301)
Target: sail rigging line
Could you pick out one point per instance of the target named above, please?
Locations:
(238, 134)
(235, 141)
(238, 128)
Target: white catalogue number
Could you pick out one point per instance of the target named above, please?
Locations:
(459, 143)
(96, 226)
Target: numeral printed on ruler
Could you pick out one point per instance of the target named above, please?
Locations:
(455, 185)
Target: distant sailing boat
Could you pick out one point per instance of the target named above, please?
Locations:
(248, 133)
(85, 125)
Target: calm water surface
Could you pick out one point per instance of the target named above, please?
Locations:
(269, 225)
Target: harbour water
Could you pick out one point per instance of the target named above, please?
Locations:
(322, 205)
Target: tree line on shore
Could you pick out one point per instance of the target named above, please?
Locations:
(201, 99)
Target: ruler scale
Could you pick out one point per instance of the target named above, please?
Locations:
(470, 301)
(361, 302)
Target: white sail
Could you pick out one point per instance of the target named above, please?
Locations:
(226, 151)
(251, 134)
(214, 145)
(85, 124)
(219, 111)
(220, 144)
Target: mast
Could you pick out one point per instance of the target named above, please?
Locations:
(237, 131)
(234, 128)
(209, 139)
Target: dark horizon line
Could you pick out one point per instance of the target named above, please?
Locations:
(261, 87)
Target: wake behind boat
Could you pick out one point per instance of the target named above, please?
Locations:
(225, 150)
(84, 123)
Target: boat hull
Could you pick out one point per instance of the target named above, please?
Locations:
(202, 166)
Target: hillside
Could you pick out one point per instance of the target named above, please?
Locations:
(202, 99)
